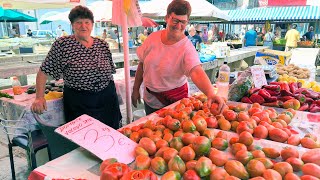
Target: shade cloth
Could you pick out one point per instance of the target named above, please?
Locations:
(290, 14)
(14, 16)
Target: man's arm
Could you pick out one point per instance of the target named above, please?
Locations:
(135, 97)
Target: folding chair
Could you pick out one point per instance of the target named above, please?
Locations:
(26, 136)
(58, 145)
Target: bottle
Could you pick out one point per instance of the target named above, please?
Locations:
(223, 81)
(16, 86)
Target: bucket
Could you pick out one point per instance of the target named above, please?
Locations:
(137, 114)
(130, 43)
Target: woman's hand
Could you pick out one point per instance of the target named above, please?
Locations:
(212, 98)
(135, 97)
(39, 105)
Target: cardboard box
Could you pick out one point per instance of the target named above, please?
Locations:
(272, 57)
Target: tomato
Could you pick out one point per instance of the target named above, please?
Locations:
(140, 175)
(114, 171)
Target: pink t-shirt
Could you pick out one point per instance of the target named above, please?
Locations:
(165, 66)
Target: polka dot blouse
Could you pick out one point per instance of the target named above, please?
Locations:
(80, 67)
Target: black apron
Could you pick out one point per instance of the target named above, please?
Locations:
(102, 105)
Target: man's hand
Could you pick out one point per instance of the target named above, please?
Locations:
(212, 98)
(135, 98)
(39, 105)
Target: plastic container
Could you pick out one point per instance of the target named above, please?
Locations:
(16, 86)
(223, 81)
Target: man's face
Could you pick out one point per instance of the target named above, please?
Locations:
(176, 24)
(82, 27)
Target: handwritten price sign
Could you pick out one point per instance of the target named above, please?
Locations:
(98, 138)
(259, 77)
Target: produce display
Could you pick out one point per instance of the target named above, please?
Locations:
(285, 95)
(305, 84)
(293, 70)
(305, 44)
(6, 95)
(54, 90)
(183, 144)
(279, 41)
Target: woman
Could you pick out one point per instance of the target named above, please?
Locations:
(86, 66)
(167, 59)
(268, 39)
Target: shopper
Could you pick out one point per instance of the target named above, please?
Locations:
(59, 31)
(194, 37)
(86, 66)
(29, 33)
(292, 37)
(309, 36)
(64, 33)
(167, 59)
(268, 39)
(251, 37)
(104, 34)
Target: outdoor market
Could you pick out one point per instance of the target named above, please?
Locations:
(159, 89)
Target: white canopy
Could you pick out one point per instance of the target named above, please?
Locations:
(202, 10)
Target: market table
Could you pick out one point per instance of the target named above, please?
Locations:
(81, 164)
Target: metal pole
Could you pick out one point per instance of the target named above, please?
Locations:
(118, 36)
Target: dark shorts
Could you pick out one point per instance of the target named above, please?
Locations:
(102, 105)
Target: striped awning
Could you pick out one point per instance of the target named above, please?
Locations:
(292, 14)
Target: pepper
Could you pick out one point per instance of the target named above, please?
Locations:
(271, 99)
(263, 93)
(272, 87)
(285, 86)
(304, 107)
(273, 104)
(293, 87)
(286, 93)
(253, 90)
(310, 100)
(255, 98)
(311, 94)
(299, 84)
(301, 98)
(275, 83)
(273, 93)
(315, 108)
(285, 98)
(317, 102)
(246, 100)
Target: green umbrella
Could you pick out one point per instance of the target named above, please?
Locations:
(44, 18)
(7, 15)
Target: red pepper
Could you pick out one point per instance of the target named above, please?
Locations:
(285, 93)
(285, 98)
(253, 90)
(271, 99)
(255, 98)
(263, 93)
(293, 87)
(272, 87)
(304, 107)
(273, 104)
(314, 109)
(301, 98)
(310, 100)
(299, 84)
(273, 93)
(311, 94)
(276, 83)
(317, 102)
(285, 86)
(246, 100)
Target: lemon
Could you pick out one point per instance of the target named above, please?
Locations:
(306, 85)
(313, 83)
(316, 88)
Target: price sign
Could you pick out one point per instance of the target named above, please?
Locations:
(259, 78)
(98, 138)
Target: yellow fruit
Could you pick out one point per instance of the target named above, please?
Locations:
(53, 95)
(302, 81)
(316, 88)
(313, 83)
(292, 79)
(306, 85)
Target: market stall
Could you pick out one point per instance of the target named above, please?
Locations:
(82, 164)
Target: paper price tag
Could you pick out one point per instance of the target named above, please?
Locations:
(259, 78)
(98, 138)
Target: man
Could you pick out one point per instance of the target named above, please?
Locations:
(309, 36)
(251, 37)
(59, 31)
(194, 37)
(292, 37)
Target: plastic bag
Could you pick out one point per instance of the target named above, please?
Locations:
(241, 86)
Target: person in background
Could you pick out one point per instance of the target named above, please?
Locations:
(64, 33)
(104, 34)
(143, 36)
(13, 32)
(167, 59)
(29, 33)
(250, 38)
(59, 31)
(194, 37)
(221, 35)
(292, 38)
(86, 66)
(268, 39)
(205, 35)
(309, 36)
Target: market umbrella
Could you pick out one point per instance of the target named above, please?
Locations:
(40, 4)
(147, 22)
(7, 15)
(44, 18)
(202, 10)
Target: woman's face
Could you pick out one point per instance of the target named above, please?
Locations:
(82, 28)
(176, 24)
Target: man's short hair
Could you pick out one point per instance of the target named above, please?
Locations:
(179, 7)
